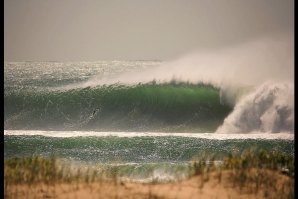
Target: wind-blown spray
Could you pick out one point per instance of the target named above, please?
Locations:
(242, 73)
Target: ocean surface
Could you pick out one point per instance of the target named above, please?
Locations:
(139, 116)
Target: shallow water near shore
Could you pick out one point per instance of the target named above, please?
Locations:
(142, 157)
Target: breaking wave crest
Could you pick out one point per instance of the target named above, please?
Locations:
(166, 107)
(270, 108)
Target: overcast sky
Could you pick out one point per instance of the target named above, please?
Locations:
(86, 30)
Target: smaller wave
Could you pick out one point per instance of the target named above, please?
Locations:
(270, 108)
(133, 171)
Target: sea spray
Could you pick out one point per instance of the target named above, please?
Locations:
(247, 64)
(270, 108)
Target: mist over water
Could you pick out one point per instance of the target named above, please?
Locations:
(256, 78)
(250, 63)
(240, 89)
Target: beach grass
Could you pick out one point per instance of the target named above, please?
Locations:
(256, 172)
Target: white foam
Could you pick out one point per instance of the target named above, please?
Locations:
(213, 136)
(270, 108)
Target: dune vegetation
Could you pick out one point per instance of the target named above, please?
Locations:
(253, 173)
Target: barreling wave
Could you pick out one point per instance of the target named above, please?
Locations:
(174, 106)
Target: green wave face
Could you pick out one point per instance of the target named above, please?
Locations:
(164, 107)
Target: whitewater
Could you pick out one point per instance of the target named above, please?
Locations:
(153, 116)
